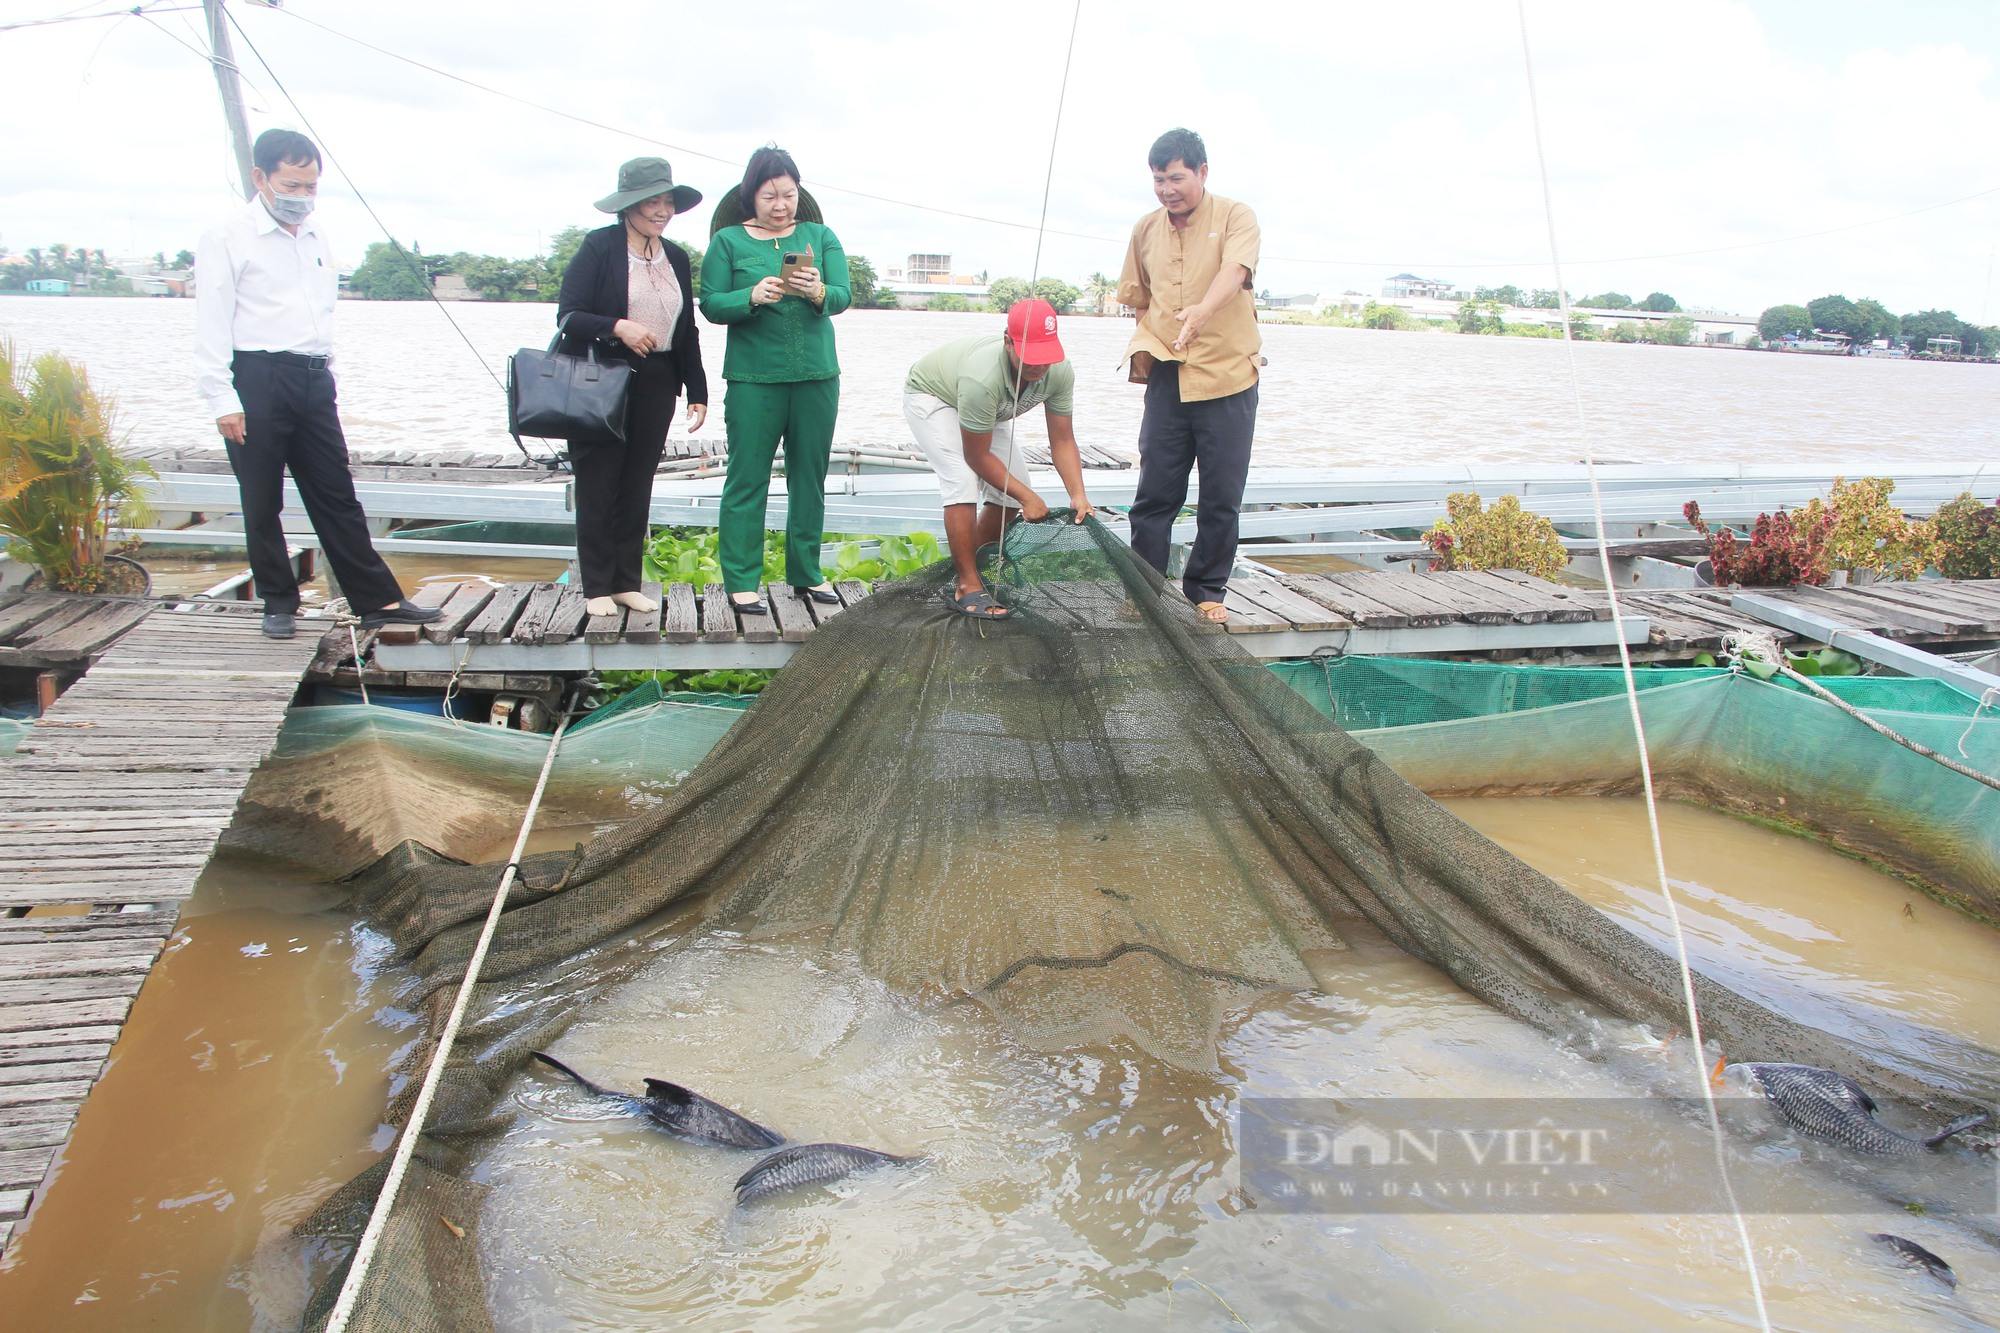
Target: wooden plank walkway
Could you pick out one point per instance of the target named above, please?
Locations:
(542, 628)
(108, 812)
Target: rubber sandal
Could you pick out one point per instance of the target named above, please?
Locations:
(1211, 618)
(979, 605)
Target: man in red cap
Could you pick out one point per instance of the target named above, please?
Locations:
(961, 401)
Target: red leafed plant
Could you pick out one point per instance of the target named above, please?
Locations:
(1784, 549)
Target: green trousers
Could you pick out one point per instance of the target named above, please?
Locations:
(757, 417)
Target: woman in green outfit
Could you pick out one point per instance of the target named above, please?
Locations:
(783, 376)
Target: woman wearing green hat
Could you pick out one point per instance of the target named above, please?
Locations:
(784, 378)
(628, 287)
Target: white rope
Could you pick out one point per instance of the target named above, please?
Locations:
(1987, 698)
(1764, 646)
(378, 1220)
(1632, 700)
(360, 667)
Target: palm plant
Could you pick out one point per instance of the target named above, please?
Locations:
(63, 478)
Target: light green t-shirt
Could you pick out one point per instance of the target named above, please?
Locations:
(972, 374)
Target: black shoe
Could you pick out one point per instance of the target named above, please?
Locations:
(755, 607)
(824, 596)
(280, 624)
(405, 612)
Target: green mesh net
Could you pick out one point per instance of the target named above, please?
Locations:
(945, 801)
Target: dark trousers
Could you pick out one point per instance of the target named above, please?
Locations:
(1173, 437)
(291, 422)
(614, 488)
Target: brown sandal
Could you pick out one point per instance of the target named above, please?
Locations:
(1215, 613)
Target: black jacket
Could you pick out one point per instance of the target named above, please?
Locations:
(595, 288)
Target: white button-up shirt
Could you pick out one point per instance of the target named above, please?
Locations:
(258, 288)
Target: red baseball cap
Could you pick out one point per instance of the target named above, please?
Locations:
(1031, 332)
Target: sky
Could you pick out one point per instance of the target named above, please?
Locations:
(1735, 155)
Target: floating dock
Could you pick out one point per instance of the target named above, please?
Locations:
(108, 812)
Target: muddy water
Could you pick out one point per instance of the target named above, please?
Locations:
(249, 1082)
(1086, 1189)
(185, 574)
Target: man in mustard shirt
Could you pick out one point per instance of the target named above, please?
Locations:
(1187, 274)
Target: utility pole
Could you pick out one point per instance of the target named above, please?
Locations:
(224, 61)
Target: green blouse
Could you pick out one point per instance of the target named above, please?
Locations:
(785, 342)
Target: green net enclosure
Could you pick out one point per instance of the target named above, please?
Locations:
(961, 807)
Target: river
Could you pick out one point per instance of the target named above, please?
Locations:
(1329, 396)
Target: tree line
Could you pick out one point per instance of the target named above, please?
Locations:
(1868, 320)
(1547, 298)
(80, 265)
(390, 271)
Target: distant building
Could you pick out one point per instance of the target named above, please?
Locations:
(49, 287)
(451, 287)
(1300, 301)
(1406, 285)
(922, 277)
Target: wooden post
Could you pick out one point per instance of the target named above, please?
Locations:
(48, 685)
(223, 59)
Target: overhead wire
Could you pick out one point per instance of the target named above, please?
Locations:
(72, 16)
(1042, 229)
(1699, 1052)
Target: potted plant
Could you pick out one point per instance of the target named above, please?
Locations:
(1869, 538)
(1968, 538)
(1783, 550)
(1506, 536)
(64, 482)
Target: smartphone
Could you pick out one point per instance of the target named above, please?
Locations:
(791, 263)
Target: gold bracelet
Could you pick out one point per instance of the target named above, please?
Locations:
(819, 297)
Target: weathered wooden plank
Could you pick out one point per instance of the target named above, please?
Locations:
(1880, 617)
(1352, 605)
(789, 611)
(1247, 617)
(683, 622)
(24, 1056)
(851, 591)
(644, 626)
(1302, 613)
(59, 990)
(32, 1094)
(464, 607)
(718, 620)
(26, 611)
(430, 595)
(1400, 593)
(1962, 620)
(541, 604)
(1475, 604)
(14, 1203)
(760, 629)
(97, 960)
(24, 1040)
(87, 634)
(565, 620)
(501, 612)
(12, 1076)
(25, 1167)
(605, 629)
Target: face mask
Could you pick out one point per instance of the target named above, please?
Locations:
(290, 209)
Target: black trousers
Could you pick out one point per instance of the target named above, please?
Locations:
(614, 487)
(1174, 437)
(291, 422)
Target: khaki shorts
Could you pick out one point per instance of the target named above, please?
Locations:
(934, 423)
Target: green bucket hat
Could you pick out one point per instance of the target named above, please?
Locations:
(644, 177)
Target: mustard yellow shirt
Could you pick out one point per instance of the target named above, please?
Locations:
(1169, 268)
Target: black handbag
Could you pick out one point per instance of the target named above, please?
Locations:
(554, 396)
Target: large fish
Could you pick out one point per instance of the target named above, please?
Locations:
(1834, 1107)
(808, 1164)
(1914, 1255)
(683, 1113)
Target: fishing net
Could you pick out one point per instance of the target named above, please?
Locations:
(1101, 819)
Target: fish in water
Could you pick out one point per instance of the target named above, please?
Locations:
(682, 1113)
(808, 1164)
(1914, 1255)
(1834, 1107)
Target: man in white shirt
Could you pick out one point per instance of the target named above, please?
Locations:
(265, 285)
